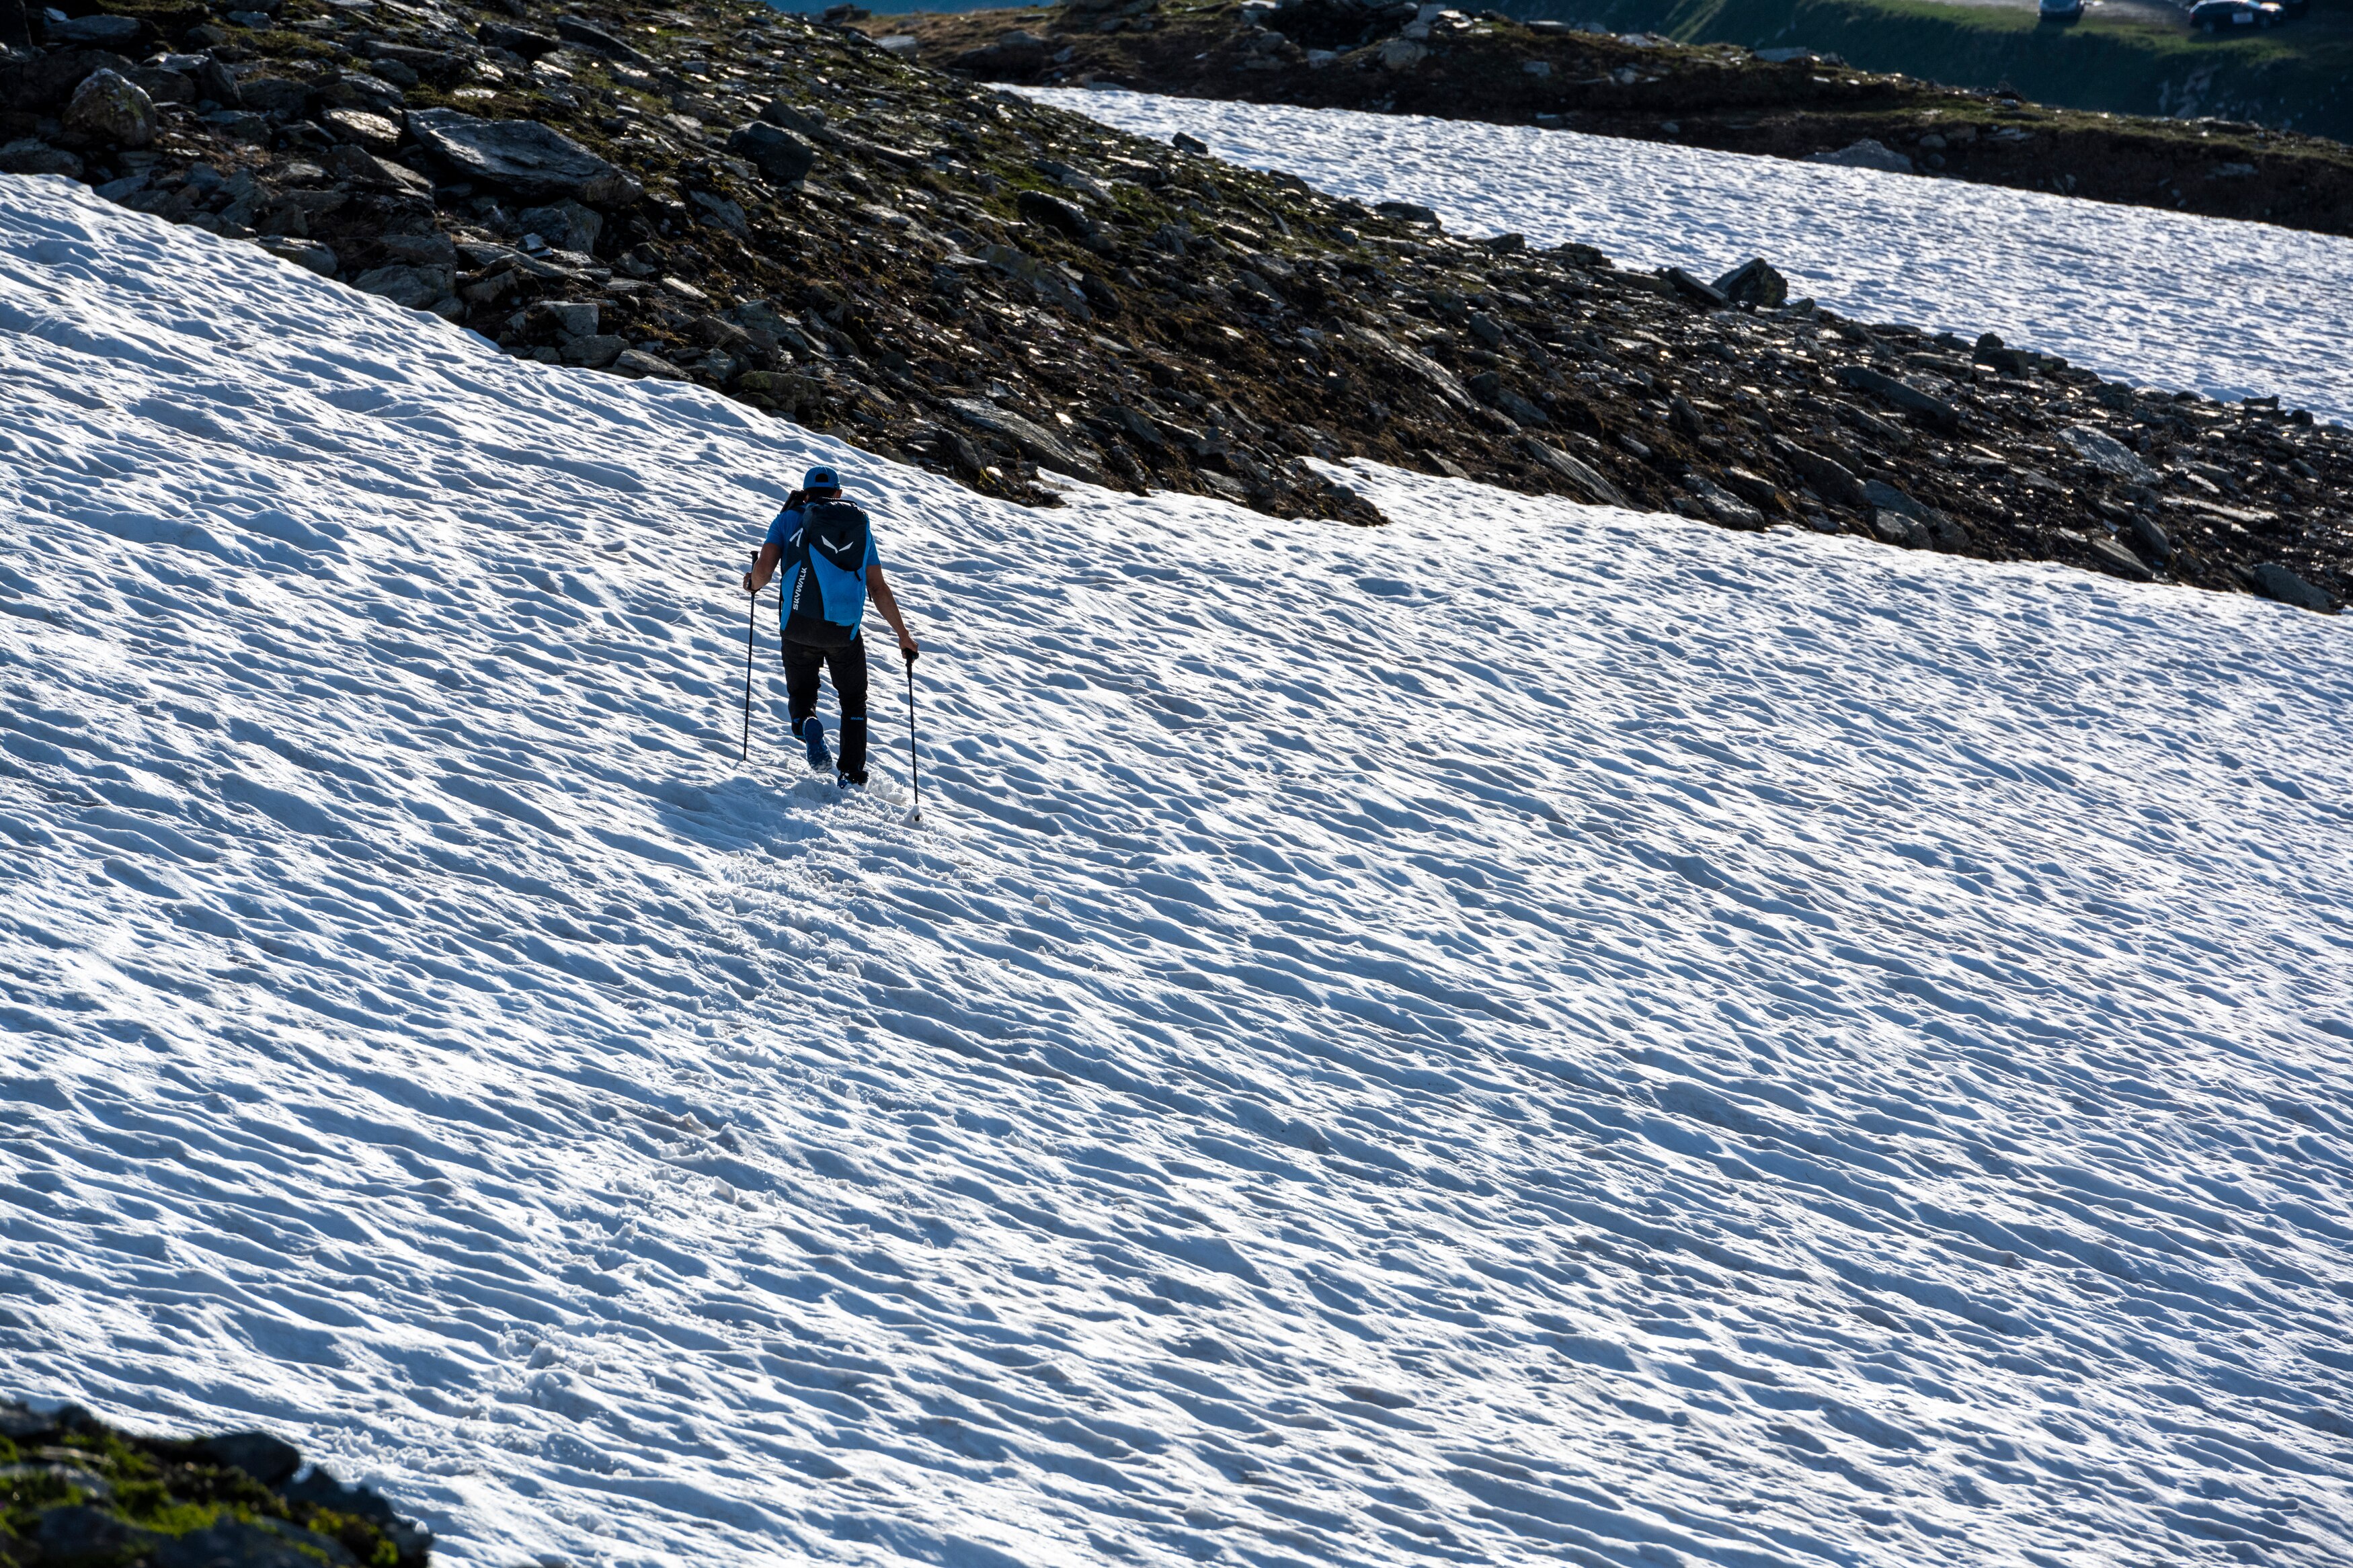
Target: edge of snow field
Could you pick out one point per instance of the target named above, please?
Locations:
(1535, 1034)
(2128, 291)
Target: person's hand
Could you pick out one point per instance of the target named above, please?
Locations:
(907, 649)
(750, 586)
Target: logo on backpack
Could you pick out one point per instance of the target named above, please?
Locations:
(825, 570)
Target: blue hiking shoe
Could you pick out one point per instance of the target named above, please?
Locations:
(813, 735)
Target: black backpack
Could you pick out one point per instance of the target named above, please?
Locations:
(825, 574)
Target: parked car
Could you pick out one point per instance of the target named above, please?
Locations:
(2228, 15)
(2062, 10)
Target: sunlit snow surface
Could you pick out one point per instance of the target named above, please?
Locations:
(2162, 299)
(1532, 1035)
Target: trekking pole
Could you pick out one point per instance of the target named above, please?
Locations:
(914, 773)
(751, 631)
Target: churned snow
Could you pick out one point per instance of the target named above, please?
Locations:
(2163, 299)
(1535, 1033)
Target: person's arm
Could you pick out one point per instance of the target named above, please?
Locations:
(878, 588)
(771, 552)
(763, 568)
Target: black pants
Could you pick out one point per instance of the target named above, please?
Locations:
(848, 664)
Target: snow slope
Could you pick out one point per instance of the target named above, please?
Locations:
(1533, 1035)
(2167, 300)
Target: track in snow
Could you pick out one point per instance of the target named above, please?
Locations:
(2167, 300)
(1532, 1035)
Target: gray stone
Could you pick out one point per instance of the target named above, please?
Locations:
(1724, 507)
(267, 1460)
(1831, 480)
(109, 106)
(357, 90)
(595, 351)
(79, 1534)
(421, 249)
(566, 225)
(1881, 494)
(573, 318)
(107, 32)
(1193, 144)
(265, 1544)
(2151, 537)
(1902, 395)
(2115, 558)
(1587, 480)
(1047, 282)
(1705, 295)
(307, 254)
(588, 36)
(536, 162)
(1867, 153)
(1033, 440)
(637, 362)
(782, 158)
(2107, 454)
(418, 288)
(2274, 581)
(274, 94)
(1054, 213)
(1755, 282)
(34, 157)
(360, 166)
(1407, 212)
(364, 127)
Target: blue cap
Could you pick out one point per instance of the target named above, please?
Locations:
(820, 478)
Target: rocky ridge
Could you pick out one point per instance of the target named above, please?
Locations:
(1395, 57)
(78, 1493)
(796, 215)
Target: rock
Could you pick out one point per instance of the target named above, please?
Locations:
(1402, 54)
(1048, 282)
(103, 30)
(906, 45)
(267, 1460)
(358, 89)
(567, 226)
(108, 107)
(2274, 581)
(520, 41)
(637, 362)
(1755, 283)
(1587, 480)
(2107, 454)
(420, 249)
(1881, 494)
(1193, 144)
(1755, 490)
(1831, 480)
(35, 157)
(1031, 440)
(588, 36)
(573, 318)
(1705, 295)
(274, 94)
(81, 1534)
(1902, 394)
(536, 162)
(418, 288)
(1052, 212)
(260, 1544)
(362, 167)
(2115, 558)
(1407, 212)
(307, 254)
(1867, 153)
(2149, 537)
(782, 158)
(1724, 507)
(362, 127)
(597, 351)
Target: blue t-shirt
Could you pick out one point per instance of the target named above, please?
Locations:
(788, 523)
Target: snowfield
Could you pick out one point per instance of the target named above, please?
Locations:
(1533, 1035)
(2164, 299)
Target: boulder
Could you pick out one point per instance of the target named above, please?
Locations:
(32, 156)
(101, 30)
(520, 41)
(782, 158)
(536, 162)
(274, 94)
(1831, 480)
(2107, 454)
(1407, 212)
(47, 80)
(2274, 581)
(1033, 440)
(268, 1460)
(2113, 557)
(1723, 508)
(1902, 395)
(358, 89)
(1705, 295)
(368, 129)
(588, 36)
(637, 362)
(1755, 283)
(595, 352)
(1193, 144)
(1867, 153)
(1054, 213)
(1581, 476)
(418, 288)
(566, 225)
(307, 254)
(109, 106)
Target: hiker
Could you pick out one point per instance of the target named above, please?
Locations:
(826, 545)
